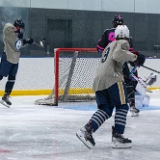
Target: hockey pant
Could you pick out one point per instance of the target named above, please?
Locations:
(10, 70)
(106, 101)
(131, 91)
(130, 83)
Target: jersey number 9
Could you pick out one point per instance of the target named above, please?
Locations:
(105, 55)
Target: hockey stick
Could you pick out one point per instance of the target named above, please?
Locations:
(41, 43)
(151, 69)
(141, 82)
(133, 70)
(138, 80)
(38, 44)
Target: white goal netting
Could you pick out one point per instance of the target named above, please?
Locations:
(74, 73)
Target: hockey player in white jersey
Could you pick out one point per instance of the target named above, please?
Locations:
(13, 41)
(110, 91)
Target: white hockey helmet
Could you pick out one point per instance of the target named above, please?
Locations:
(122, 32)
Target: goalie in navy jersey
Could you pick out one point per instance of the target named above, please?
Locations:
(111, 91)
(107, 37)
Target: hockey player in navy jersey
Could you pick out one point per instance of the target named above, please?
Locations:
(110, 90)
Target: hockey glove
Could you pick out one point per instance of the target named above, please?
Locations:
(28, 40)
(140, 59)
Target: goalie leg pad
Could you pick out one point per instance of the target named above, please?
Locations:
(146, 100)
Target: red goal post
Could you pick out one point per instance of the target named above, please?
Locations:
(74, 71)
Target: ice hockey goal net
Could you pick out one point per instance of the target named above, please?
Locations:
(74, 71)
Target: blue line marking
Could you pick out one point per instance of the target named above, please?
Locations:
(93, 107)
(79, 107)
(150, 108)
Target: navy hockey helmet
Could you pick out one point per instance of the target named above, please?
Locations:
(118, 20)
(19, 23)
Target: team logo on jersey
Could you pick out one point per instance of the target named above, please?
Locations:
(18, 44)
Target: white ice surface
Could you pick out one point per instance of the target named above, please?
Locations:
(35, 132)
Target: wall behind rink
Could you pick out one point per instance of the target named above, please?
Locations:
(143, 6)
(36, 76)
(74, 24)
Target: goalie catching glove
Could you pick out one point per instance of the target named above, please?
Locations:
(28, 40)
(140, 58)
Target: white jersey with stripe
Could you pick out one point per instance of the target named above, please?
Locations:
(10, 38)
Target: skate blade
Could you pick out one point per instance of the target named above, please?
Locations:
(134, 114)
(81, 138)
(44, 103)
(121, 145)
(5, 104)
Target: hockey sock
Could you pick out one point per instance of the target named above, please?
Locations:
(9, 84)
(120, 118)
(99, 117)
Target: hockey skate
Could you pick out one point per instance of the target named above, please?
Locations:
(118, 141)
(134, 111)
(86, 137)
(5, 101)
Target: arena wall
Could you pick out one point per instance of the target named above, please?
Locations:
(36, 76)
(73, 24)
(137, 6)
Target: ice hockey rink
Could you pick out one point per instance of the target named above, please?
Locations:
(36, 132)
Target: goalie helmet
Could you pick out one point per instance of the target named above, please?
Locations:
(19, 23)
(118, 20)
(122, 32)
